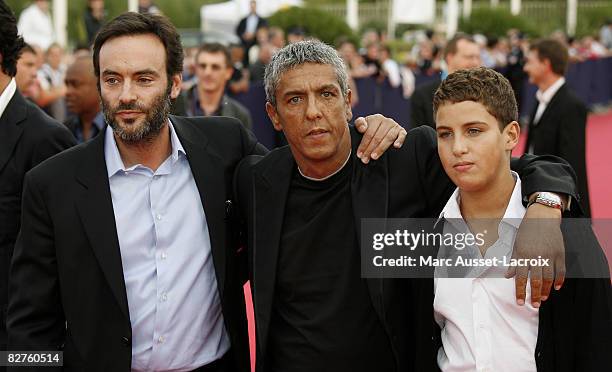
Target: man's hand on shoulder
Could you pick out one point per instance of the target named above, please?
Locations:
(379, 133)
(539, 237)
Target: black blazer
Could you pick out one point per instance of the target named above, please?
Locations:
(27, 137)
(241, 28)
(561, 131)
(67, 289)
(403, 183)
(421, 103)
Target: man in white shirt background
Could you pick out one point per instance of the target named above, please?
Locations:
(35, 24)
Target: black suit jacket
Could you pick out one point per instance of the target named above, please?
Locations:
(241, 28)
(67, 289)
(27, 137)
(561, 131)
(403, 183)
(421, 104)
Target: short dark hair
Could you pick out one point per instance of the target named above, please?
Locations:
(27, 48)
(554, 51)
(215, 48)
(451, 45)
(482, 85)
(10, 41)
(131, 23)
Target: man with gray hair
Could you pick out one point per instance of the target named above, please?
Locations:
(303, 205)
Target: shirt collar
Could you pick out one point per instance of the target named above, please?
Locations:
(114, 163)
(7, 95)
(515, 210)
(547, 95)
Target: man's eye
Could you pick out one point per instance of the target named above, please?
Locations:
(145, 80)
(444, 134)
(474, 131)
(326, 94)
(111, 81)
(294, 100)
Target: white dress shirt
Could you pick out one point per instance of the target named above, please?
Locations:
(251, 23)
(36, 27)
(7, 95)
(544, 98)
(175, 311)
(482, 327)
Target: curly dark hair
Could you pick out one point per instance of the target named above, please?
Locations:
(482, 85)
(10, 42)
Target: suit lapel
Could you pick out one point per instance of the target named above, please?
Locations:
(208, 172)
(95, 208)
(270, 195)
(10, 131)
(369, 192)
(550, 108)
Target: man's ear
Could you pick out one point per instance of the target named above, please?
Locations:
(177, 80)
(229, 71)
(347, 101)
(512, 134)
(273, 115)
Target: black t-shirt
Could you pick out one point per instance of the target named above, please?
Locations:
(323, 318)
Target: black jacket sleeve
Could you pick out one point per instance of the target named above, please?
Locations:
(35, 318)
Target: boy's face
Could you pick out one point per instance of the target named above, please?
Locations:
(473, 150)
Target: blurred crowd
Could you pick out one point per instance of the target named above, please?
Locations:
(58, 81)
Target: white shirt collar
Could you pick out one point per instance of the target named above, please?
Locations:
(114, 163)
(513, 215)
(545, 96)
(7, 95)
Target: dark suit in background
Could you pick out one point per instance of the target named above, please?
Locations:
(27, 137)
(421, 104)
(561, 131)
(67, 289)
(404, 183)
(247, 44)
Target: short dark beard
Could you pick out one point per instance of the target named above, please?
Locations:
(156, 117)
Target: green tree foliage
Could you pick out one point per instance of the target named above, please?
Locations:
(322, 25)
(495, 22)
(590, 21)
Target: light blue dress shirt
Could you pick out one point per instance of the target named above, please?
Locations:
(175, 310)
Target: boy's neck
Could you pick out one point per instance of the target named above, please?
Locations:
(490, 201)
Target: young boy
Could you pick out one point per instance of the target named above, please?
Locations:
(481, 326)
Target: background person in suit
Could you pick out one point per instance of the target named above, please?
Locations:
(461, 52)
(213, 69)
(247, 29)
(558, 123)
(128, 260)
(303, 205)
(27, 137)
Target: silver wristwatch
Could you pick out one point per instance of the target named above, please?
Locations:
(548, 199)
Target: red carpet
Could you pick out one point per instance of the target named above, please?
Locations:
(599, 153)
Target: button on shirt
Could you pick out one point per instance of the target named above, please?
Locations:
(482, 327)
(175, 311)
